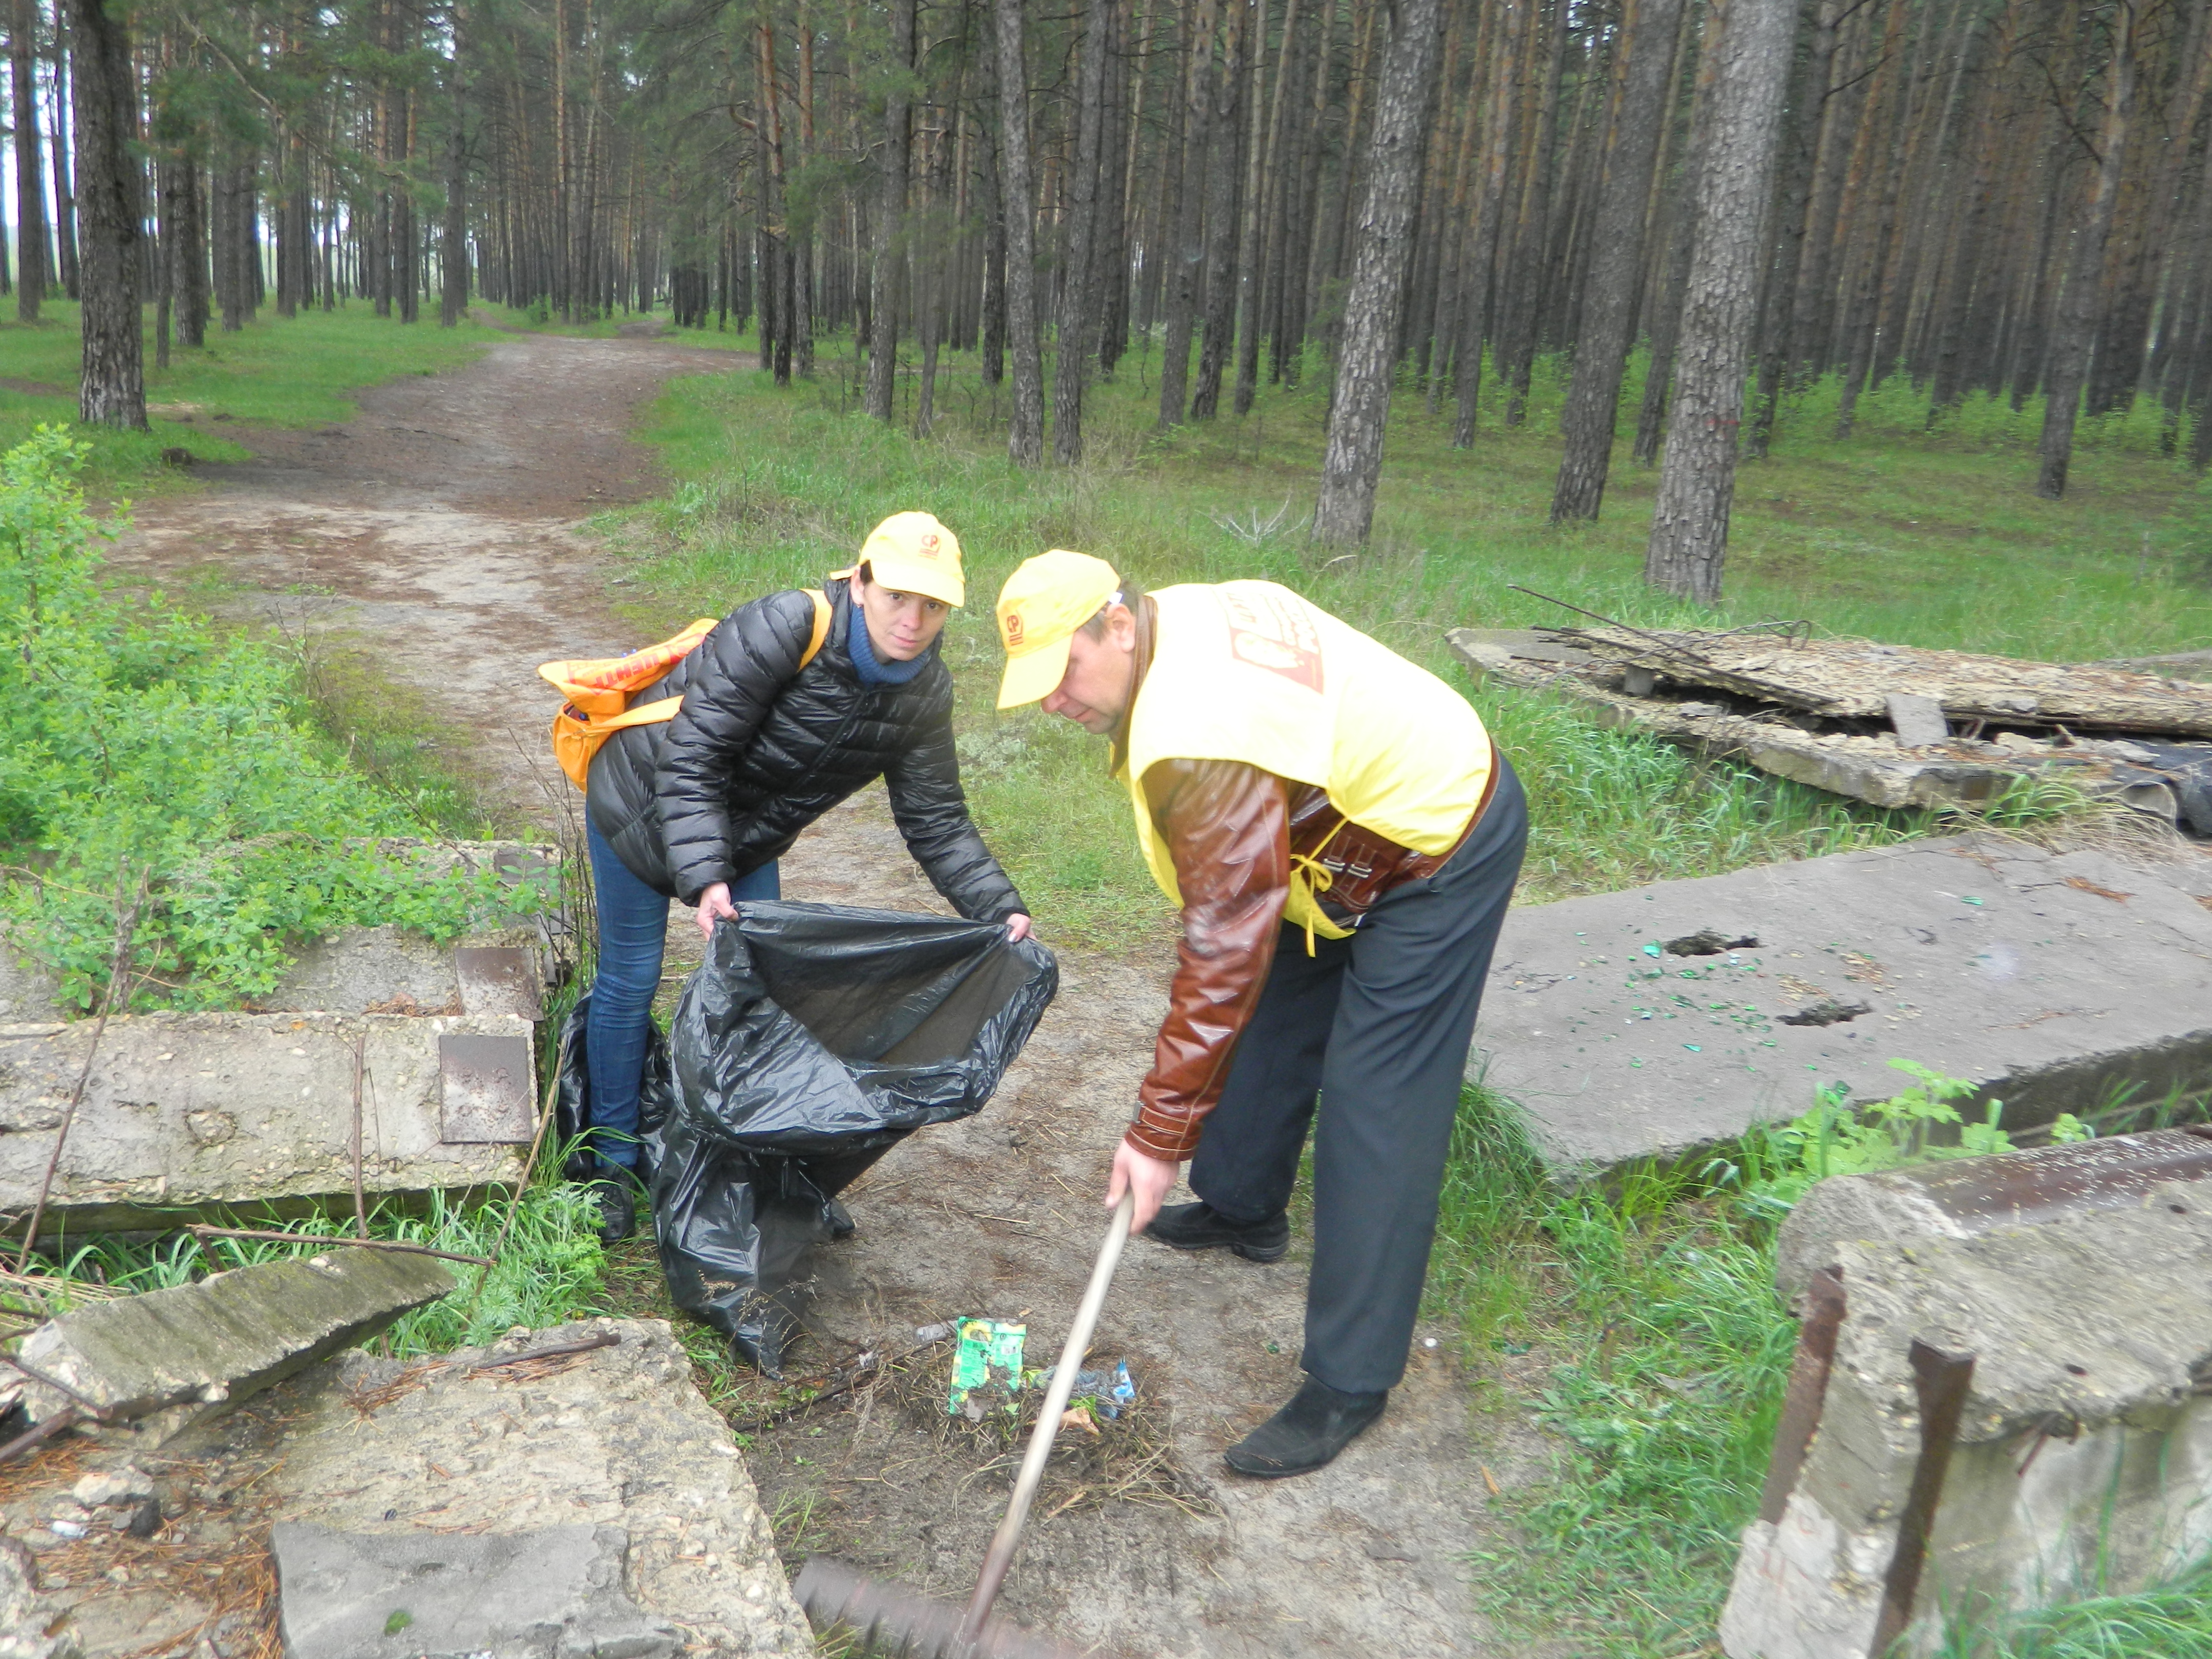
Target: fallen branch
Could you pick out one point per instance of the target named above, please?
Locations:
(63, 1418)
(203, 1231)
(128, 927)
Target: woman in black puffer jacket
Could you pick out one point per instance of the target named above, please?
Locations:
(700, 808)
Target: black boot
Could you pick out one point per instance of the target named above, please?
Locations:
(1201, 1227)
(615, 1191)
(1319, 1422)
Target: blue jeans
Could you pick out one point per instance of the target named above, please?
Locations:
(633, 935)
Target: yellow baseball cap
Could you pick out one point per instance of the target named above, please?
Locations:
(1039, 608)
(912, 553)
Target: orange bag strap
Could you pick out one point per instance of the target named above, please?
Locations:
(822, 614)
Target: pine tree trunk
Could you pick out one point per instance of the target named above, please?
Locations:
(113, 389)
(1735, 183)
(2081, 305)
(1026, 429)
(1797, 196)
(883, 282)
(453, 290)
(1184, 246)
(1479, 270)
(1359, 405)
(1609, 313)
(1223, 173)
(65, 213)
(30, 173)
(1077, 311)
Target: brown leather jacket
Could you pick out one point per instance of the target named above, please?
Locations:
(1232, 831)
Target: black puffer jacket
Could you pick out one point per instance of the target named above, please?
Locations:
(761, 749)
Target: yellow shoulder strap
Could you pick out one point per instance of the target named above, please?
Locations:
(821, 625)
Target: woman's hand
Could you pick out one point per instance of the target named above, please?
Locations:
(1018, 927)
(1152, 1179)
(714, 905)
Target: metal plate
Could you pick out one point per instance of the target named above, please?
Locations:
(498, 979)
(487, 1090)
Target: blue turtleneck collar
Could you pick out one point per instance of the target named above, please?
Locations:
(872, 671)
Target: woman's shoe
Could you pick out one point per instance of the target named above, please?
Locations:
(1319, 1422)
(615, 1191)
(1201, 1227)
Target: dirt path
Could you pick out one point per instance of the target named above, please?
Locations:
(440, 526)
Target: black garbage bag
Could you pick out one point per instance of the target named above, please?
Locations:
(813, 1040)
(572, 1104)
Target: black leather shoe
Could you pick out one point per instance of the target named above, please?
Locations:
(1200, 1227)
(1319, 1422)
(615, 1191)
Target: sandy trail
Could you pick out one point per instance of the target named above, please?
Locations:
(441, 527)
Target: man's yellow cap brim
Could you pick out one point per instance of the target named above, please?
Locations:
(1033, 678)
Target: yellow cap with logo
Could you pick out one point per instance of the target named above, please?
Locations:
(912, 553)
(1039, 608)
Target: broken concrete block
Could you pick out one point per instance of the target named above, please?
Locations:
(1972, 1195)
(1985, 1425)
(552, 1593)
(253, 1114)
(1657, 1021)
(190, 1351)
(27, 1619)
(615, 1437)
(1918, 721)
(383, 970)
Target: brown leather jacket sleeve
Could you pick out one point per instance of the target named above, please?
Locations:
(1227, 827)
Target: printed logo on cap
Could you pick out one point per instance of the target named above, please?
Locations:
(1012, 624)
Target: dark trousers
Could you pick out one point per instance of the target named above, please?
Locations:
(1378, 1026)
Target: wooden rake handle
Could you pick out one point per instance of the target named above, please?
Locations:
(1009, 1535)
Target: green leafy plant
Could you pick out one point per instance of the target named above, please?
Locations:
(1776, 1166)
(149, 763)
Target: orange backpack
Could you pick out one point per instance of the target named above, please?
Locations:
(597, 687)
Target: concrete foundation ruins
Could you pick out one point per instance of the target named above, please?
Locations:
(1985, 1423)
(419, 1055)
(1657, 1021)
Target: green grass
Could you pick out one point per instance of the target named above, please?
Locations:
(274, 372)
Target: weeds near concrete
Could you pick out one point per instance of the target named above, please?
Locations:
(1640, 1328)
(2173, 1622)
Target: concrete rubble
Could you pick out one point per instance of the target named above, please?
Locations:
(1658, 1021)
(1980, 1425)
(1889, 724)
(550, 1593)
(614, 1448)
(203, 1115)
(167, 1359)
(1966, 1197)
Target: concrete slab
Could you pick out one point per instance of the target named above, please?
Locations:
(190, 1351)
(28, 1621)
(1967, 1196)
(1985, 1425)
(384, 970)
(617, 1438)
(188, 1113)
(1666, 1018)
(553, 1593)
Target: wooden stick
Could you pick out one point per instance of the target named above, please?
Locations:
(1002, 1554)
(552, 1351)
(65, 1418)
(360, 1198)
(123, 934)
(203, 1231)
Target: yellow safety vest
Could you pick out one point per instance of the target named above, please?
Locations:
(1248, 670)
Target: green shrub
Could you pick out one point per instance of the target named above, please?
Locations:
(148, 762)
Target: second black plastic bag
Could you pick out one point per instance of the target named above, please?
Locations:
(813, 1040)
